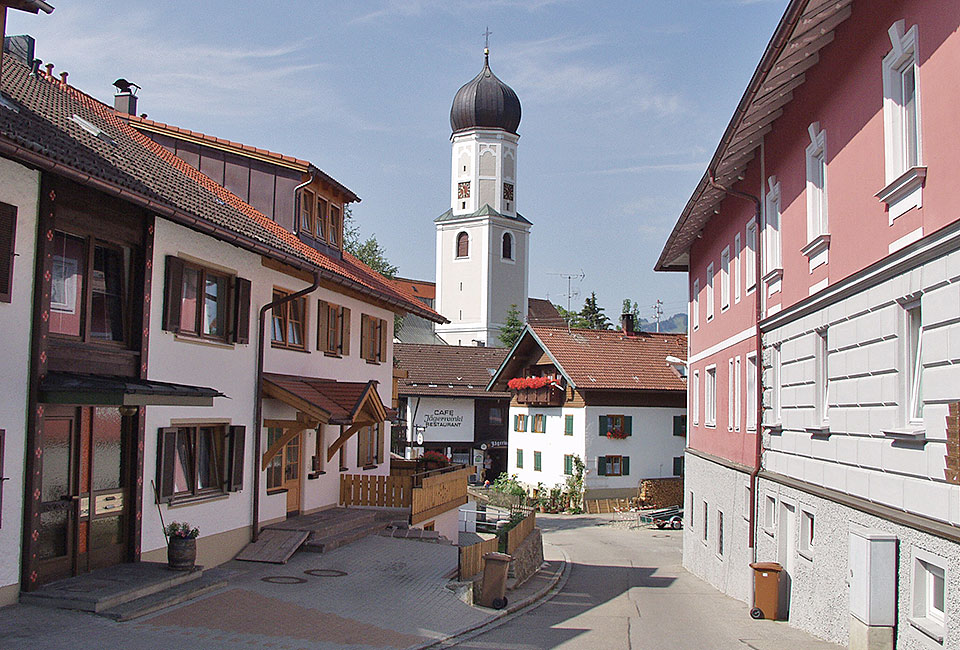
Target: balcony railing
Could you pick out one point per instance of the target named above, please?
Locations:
(551, 395)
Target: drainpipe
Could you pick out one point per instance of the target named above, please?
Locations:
(257, 407)
(759, 383)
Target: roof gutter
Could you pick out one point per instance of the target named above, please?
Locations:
(201, 225)
(779, 40)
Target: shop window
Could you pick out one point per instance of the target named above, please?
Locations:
(289, 322)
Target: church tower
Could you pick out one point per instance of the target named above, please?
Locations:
(482, 241)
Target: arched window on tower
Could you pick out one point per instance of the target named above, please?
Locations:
(463, 245)
(507, 249)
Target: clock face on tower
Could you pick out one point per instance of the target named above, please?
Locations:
(507, 191)
(463, 190)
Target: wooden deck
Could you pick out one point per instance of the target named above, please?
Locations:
(274, 546)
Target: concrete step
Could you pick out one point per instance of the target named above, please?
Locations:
(210, 581)
(321, 542)
(109, 587)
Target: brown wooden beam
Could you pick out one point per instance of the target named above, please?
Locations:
(276, 447)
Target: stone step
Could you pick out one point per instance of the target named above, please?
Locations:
(324, 543)
(210, 581)
(109, 587)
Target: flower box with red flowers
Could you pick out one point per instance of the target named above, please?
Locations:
(538, 391)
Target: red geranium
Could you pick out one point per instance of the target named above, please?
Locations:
(519, 383)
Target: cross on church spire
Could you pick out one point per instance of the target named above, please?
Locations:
(486, 42)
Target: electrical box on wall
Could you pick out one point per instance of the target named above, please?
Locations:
(873, 576)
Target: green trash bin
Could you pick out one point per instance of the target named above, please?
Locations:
(766, 590)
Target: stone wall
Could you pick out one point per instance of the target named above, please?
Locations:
(526, 559)
(661, 492)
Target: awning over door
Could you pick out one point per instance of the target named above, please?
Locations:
(322, 401)
(102, 390)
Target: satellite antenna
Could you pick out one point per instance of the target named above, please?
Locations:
(571, 291)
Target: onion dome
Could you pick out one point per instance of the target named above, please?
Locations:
(485, 102)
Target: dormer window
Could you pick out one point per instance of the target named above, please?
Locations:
(321, 219)
(463, 245)
(307, 219)
(334, 233)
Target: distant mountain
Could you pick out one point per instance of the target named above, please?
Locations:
(676, 324)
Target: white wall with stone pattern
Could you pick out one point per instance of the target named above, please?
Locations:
(724, 489)
(20, 187)
(820, 598)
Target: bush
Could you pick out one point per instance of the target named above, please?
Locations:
(507, 484)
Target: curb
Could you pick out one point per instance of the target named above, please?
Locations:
(534, 600)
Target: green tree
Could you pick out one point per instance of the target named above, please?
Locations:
(512, 327)
(572, 318)
(593, 315)
(630, 307)
(371, 253)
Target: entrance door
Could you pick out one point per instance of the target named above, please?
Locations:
(291, 475)
(787, 552)
(84, 513)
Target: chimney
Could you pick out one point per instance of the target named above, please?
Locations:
(125, 102)
(626, 324)
(20, 47)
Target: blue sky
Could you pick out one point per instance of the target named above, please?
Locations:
(623, 105)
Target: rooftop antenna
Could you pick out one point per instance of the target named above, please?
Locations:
(658, 312)
(571, 291)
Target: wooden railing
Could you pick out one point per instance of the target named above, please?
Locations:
(546, 396)
(380, 491)
(434, 494)
(470, 562)
(518, 533)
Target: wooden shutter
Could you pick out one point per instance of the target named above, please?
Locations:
(3, 479)
(166, 456)
(382, 335)
(172, 294)
(381, 429)
(680, 425)
(624, 466)
(8, 236)
(323, 319)
(241, 311)
(602, 465)
(238, 441)
(364, 335)
(344, 331)
(628, 424)
(604, 425)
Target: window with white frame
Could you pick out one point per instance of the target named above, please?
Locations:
(771, 227)
(750, 257)
(914, 363)
(720, 533)
(737, 394)
(821, 380)
(770, 513)
(706, 515)
(710, 397)
(695, 305)
(725, 279)
(696, 397)
(808, 517)
(901, 122)
(736, 268)
(709, 289)
(746, 501)
(730, 397)
(752, 392)
(692, 510)
(816, 183)
(929, 594)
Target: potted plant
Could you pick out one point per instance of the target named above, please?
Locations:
(182, 546)
(434, 460)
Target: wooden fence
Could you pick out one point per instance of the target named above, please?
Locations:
(438, 494)
(518, 533)
(381, 491)
(470, 562)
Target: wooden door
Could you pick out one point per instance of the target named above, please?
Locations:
(291, 475)
(84, 508)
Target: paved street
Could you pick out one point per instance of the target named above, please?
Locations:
(627, 590)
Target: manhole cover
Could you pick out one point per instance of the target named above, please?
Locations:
(325, 573)
(284, 580)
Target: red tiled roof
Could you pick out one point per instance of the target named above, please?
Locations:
(421, 288)
(116, 158)
(448, 370)
(609, 360)
(543, 312)
(343, 400)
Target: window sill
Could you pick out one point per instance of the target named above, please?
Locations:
(908, 433)
(273, 491)
(817, 251)
(773, 275)
(821, 431)
(279, 346)
(333, 355)
(774, 428)
(768, 531)
(367, 468)
(931, 629)
(807, 555)
(183, 502)
(373, 363)
(904, 192)
(315, 475)
(198, 340)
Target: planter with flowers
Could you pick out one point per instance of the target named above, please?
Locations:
(182, 546)
(538, 391)
(434, 460)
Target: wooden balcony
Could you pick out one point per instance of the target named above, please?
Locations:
(546, 396)
(427, 494)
